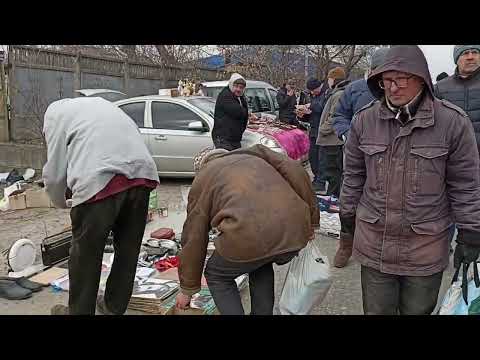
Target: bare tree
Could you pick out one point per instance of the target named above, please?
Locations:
(272, 63)
(167, 55)
(347, 56)
(275, 63)
(130, 51)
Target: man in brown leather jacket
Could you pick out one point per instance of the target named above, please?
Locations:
(411, 169)
(263, 205)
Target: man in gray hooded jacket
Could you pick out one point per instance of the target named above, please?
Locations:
(96, 153)
(356, 96)
(410, 169)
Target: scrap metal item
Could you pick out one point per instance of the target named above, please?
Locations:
(56, 248)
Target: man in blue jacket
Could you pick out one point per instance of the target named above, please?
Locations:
(355, 97)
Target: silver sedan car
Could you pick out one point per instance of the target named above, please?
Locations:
(175, 129)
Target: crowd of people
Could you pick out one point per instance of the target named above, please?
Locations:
(399, 152)
(402, 157)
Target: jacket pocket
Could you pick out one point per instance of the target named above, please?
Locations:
(432, 227)
(428, 246)
(366, 215)
(368, 237)
(375, 161)
(427, 169)
(430, 152)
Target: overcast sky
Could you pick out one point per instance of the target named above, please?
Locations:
(440, 59)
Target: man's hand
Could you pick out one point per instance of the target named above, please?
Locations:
(183, 301)
(300, 112)
(252, 117)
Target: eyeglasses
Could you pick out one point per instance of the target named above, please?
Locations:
(470, 52)
(400, 82)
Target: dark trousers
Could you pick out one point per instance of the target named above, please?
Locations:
(386, 294)
(316, 162)
(333, 156)
(221, 274)
(221, 143)
(125, 214)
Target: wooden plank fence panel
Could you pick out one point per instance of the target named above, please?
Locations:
(50, 77)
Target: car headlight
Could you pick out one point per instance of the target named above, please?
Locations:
(268, 142)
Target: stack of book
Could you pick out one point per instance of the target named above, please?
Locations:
(148, 295)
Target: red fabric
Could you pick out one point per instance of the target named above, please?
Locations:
(120, 183)
(167, 263)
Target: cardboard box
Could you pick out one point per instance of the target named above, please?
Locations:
(14, 189)
(168, 92)
(49, 276)
(17, 202)
(37, 199)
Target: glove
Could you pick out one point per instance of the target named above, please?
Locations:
(347, 225)
(466, 254)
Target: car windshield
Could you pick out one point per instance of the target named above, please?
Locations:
(213, 91)
(206, 105)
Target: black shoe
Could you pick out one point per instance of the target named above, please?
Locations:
(102, 307)
(10, 290)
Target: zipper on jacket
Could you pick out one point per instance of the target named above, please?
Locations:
(414, 181)
(467, 108)
(405, 167)
(381, 173)
(387, 192)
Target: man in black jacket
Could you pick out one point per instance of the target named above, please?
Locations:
(463, 87)
(317, 101)
(231, 115)
(287, 100)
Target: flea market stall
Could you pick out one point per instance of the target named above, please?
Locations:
(156, 281)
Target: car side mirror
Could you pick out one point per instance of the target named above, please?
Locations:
(197, 126)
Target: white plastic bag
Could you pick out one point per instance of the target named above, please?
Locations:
(453, 303)
(307, 283)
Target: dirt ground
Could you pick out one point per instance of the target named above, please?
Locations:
(344, 297)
